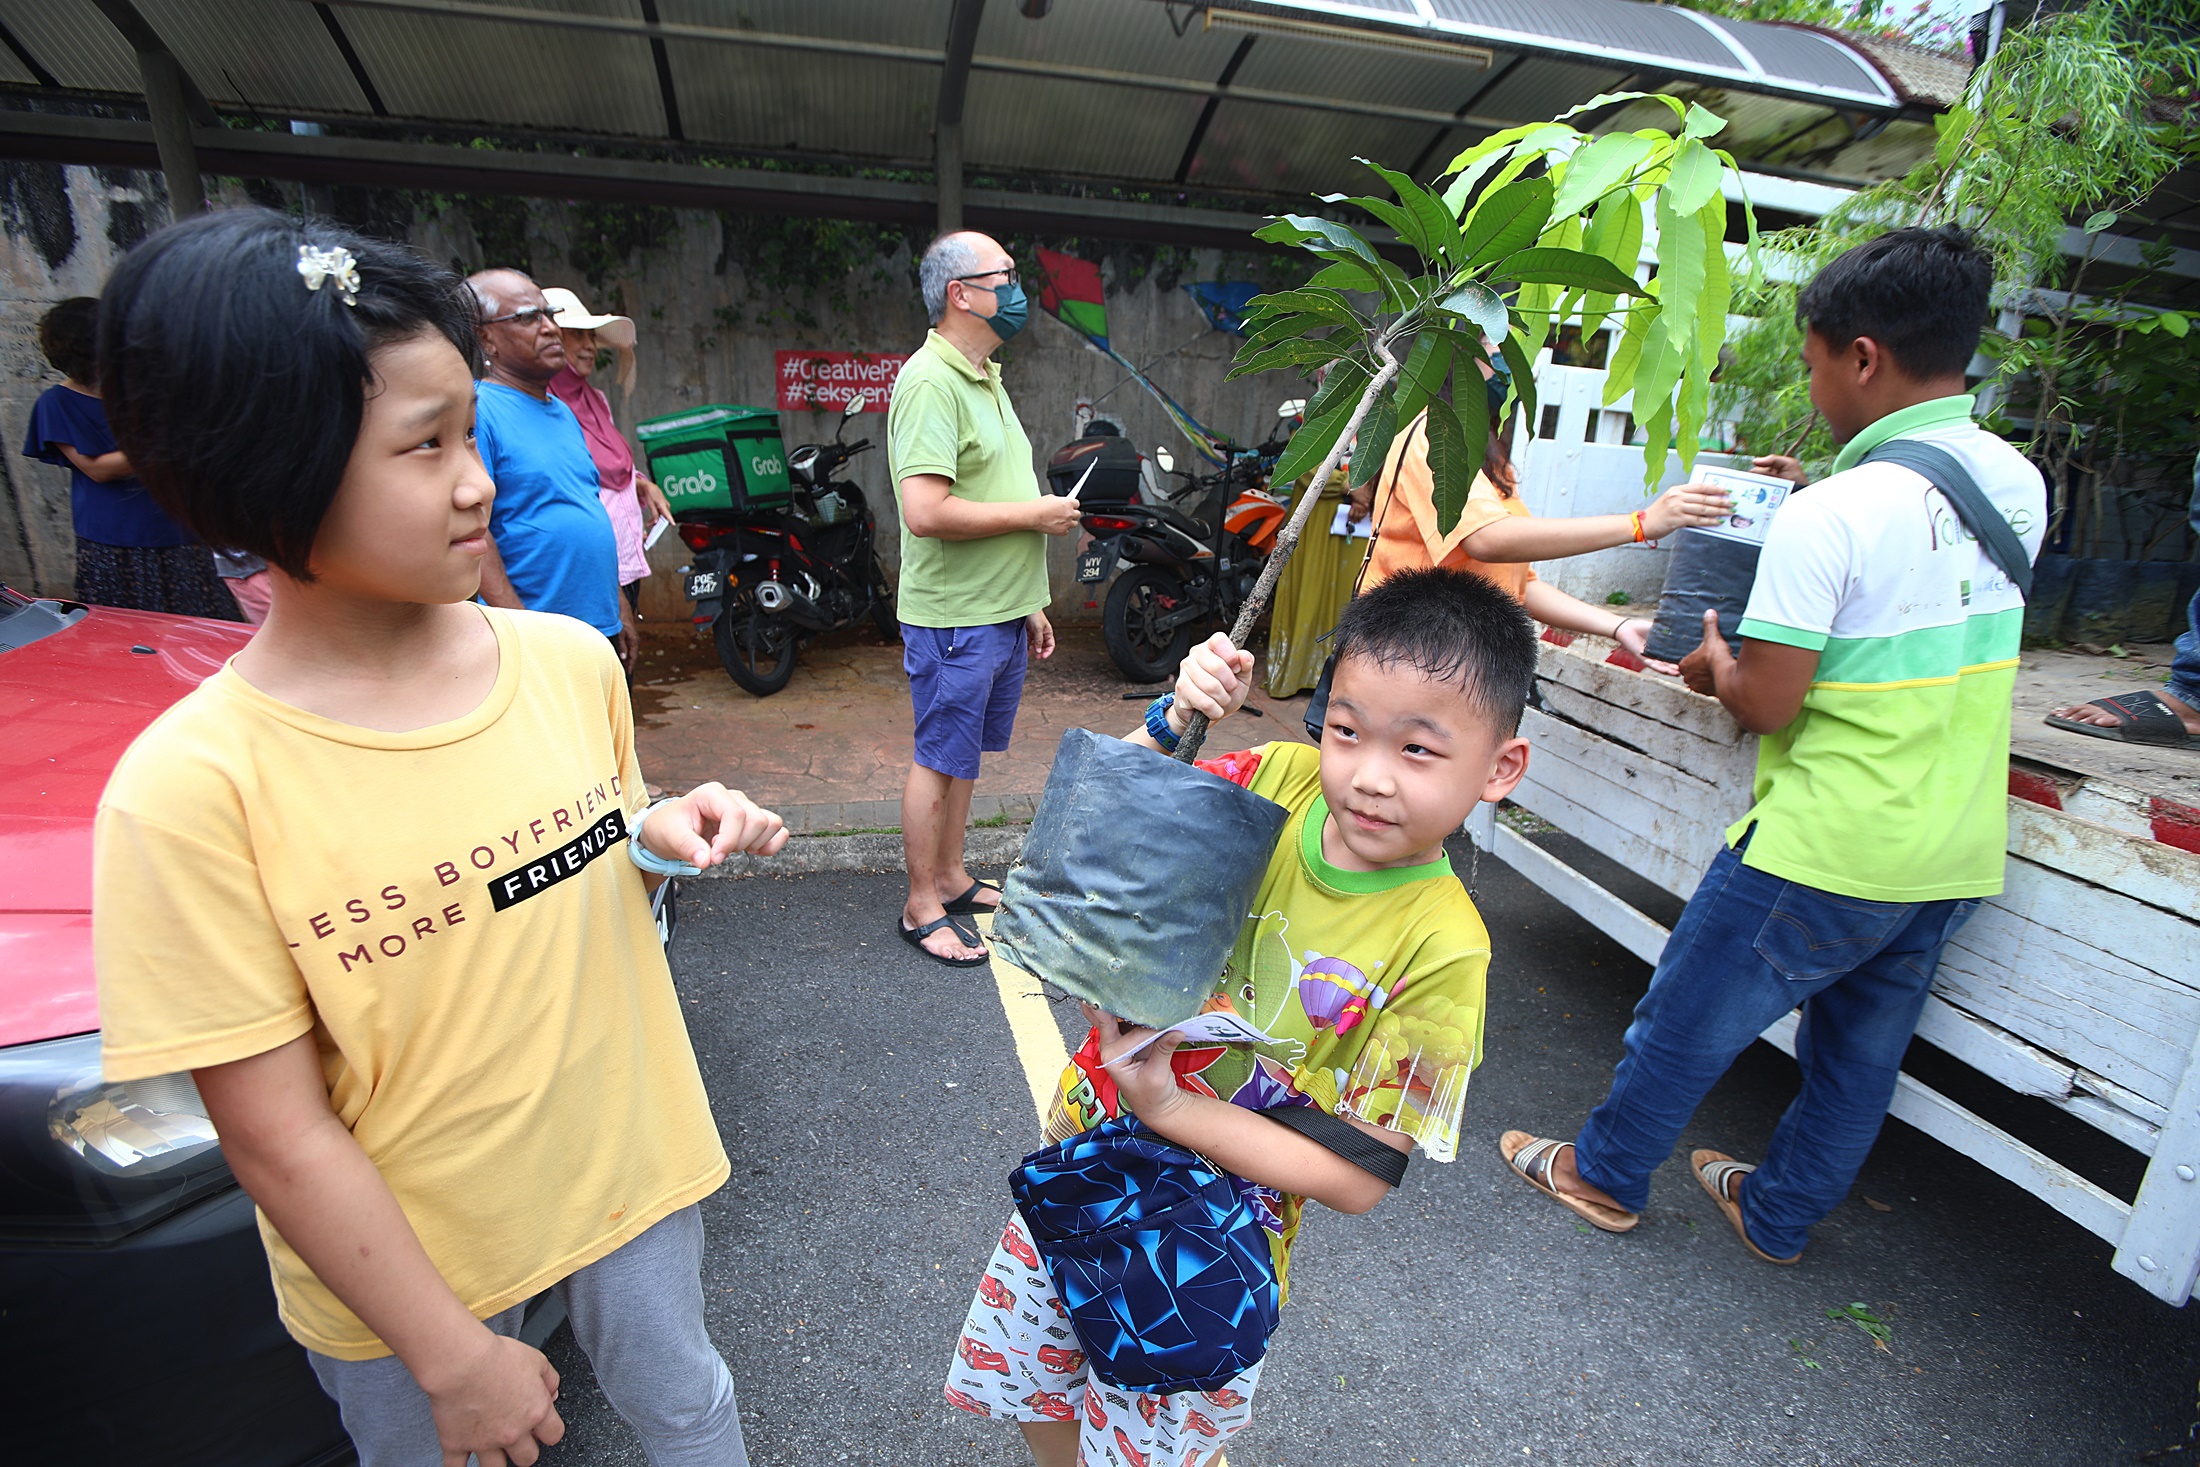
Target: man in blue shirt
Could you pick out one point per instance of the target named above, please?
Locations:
(551, 542)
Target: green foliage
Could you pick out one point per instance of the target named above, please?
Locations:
(1539, 223)
(1916, 22)
(605, 237)
(2079, 115)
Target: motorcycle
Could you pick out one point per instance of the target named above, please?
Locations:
(1187, 558)
(766, 581)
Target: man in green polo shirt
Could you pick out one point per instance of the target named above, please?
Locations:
(973, 591)
(1878, 658)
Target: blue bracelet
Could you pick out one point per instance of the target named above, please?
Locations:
(649, 860)
(1157, 723)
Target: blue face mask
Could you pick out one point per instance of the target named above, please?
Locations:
(1011, 309)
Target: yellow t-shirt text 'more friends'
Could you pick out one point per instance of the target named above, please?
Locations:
(451, 914)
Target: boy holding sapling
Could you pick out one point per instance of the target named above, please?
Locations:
(1364, 959)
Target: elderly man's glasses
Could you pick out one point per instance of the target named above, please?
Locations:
(981, 275)
(524, 316)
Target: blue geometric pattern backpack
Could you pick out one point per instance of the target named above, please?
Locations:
(1164, 1270)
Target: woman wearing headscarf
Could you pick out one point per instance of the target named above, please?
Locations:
(633, 501)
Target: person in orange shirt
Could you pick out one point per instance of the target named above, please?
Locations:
(1496, 536)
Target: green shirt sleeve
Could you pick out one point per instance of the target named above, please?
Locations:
(923, 432)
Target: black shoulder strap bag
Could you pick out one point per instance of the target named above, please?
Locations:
(1970, 503)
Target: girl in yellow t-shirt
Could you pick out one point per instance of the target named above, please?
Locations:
(382, 884)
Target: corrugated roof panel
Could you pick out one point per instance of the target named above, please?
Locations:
(802, 101)
(1803, 56)
(902, 23)
(1393, 78)
(1807, 56)
(12, 70)
(516, 75)
(1117, 35)
(1078, 128)
(1538, 88)
(260, 54)
(1622, 24)
(1284, 150)
(75, 42)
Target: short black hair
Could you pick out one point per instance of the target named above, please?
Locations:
(1923, 294)
(237, 390)
(1449, 625)
(69, 336)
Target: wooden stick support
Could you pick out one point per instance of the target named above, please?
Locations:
(1287, 541)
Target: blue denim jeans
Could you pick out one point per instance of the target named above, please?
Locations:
(2184, 670)
(1748, 948)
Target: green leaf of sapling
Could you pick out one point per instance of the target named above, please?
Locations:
(2095, 223)
(1376, 431)
(1507, 220)
(1593, 171)
(1702, 123)
(1311, 444)
(1423, 373)
(1695, 176)
(1577, 268)
(1480, 305)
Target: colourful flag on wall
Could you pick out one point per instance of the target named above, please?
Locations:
(1072, 294)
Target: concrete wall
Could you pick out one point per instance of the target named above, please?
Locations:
(707, 330)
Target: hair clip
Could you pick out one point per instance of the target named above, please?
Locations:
(320, 267)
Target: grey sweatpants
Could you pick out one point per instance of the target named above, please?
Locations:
(638, 1316)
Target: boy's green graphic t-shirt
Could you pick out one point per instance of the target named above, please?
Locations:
(1371, 981)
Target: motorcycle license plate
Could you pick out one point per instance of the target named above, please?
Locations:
(702, 585)
(1093, 564)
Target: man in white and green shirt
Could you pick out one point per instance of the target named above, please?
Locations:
(1878, 657)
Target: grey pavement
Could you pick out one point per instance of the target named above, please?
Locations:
(873, 1104)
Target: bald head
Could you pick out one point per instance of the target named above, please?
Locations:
(952, 257)
(520, 342)
(501, 290)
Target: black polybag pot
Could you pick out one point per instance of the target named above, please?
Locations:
(1135, 879)
(1704, 572)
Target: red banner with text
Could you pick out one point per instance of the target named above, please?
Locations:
(824, 381)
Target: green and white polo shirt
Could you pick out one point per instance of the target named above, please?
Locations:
(1892, 783)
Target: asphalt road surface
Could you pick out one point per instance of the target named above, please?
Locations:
(873, 1103)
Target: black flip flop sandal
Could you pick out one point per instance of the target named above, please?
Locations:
(915, 937)
(967, 905)
(2146, 719)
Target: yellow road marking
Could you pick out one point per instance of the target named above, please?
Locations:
(1031, 1023)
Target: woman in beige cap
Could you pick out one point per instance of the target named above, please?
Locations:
(633, 501)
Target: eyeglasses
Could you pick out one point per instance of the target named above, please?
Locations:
(981, 275)
(524, 316)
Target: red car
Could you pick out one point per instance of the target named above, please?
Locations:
(123, 1236)
(981, 1357)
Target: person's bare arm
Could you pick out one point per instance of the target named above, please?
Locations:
(490, 1395)
(104, 469)
(1529, 537)
(1763, 687)
(496, 586)
(1238, 1140)
(1554, 608)
(933, 511)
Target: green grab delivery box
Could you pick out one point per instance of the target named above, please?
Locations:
(723, 456)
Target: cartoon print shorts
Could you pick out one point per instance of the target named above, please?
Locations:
(1019, 1361)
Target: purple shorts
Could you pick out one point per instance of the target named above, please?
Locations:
(964, 684)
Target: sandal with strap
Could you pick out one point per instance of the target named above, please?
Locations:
(968, 905)
(915, 937)
(2143, 719)
(1721, 1175)
(1531, 1157)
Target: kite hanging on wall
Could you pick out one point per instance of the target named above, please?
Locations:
(1070, 291)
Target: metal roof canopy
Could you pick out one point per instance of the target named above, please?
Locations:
(1246, 101)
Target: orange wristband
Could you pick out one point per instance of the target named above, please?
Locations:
(1640, 537)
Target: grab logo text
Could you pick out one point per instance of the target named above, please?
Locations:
(681, 486)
